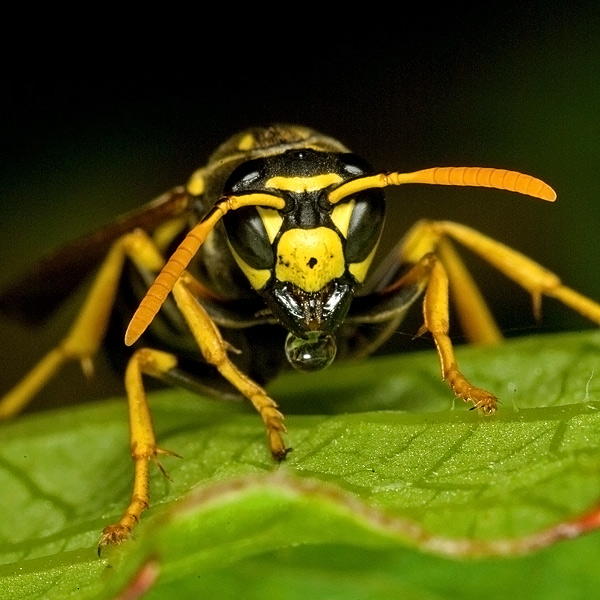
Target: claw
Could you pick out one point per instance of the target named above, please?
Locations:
(113, 535)
(482, 401)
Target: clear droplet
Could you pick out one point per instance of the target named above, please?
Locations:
(314, 353)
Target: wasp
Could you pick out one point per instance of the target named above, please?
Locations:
(262, 261)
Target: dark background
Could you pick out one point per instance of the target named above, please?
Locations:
(99, 126)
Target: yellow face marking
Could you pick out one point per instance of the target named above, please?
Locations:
(257, 277)
(359, 270)
(303, 184)
(196, 184)
(247, 142)
(341, 214)
(309, 258)
(272, 221)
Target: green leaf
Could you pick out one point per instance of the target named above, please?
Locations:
(390, 483)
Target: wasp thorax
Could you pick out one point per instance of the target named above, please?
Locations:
(313, 353)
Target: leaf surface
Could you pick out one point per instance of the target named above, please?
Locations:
(384, 462)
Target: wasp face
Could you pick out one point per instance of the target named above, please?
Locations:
(307, 259)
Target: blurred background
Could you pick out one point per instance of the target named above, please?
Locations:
(86, 137)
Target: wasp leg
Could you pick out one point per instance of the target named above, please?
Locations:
(473, 313)
(435, 312)
(87, 332)
(214, 351)
(530, 275)
(435, 261)
(82, 341)
(537, 280)
(158, 364)
(142, 439)
(431, 236)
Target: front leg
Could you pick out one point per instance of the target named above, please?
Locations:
(214, 350)
(436, 315)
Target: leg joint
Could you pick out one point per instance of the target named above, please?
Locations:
(152, 362)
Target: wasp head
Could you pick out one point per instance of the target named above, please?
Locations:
(307, 259)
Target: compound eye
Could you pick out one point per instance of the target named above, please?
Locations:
(354, 165)
(247, 235)
(365, 225)
(314, 353)
(245, 177)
